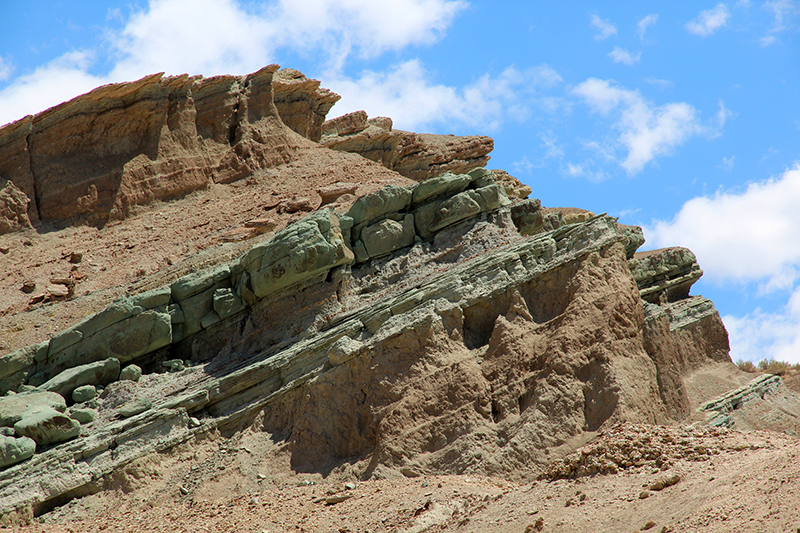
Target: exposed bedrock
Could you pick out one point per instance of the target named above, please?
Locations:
(414, 155)
(127, 144)
(96, 156)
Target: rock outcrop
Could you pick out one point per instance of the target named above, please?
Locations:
(452, 326)
(99, 155)
(414, 155)
(425, 330)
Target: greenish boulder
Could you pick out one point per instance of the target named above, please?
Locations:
(84, 393)
(83, 415)
(153, 298)
(447, 184)
(64, 339)
(12, 408)
(97, 373)
(390, 199)
(128, 339)
(226, 303)
(47, 426)
(301, 251)
(174, 365)
(198, 282)
(130, 373)
(15, 450)
(135, 407)
(388, 235)
(435, 216)
(116, 312)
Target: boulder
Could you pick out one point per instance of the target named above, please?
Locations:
(84, 393)
(13, 408)
(99, 373)
(303, 250)
(135, 407)
(130, 373)
(47, 426)
(226, 303)
(83, 415)
(447, 184)
(373, 206)
(388, 235)
(434, 216)
(15, 450)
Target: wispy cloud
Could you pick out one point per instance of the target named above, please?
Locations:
(604, 28)
(783, 12)
(659, 82)
(727, 163)
(405, 94)
(642, 25)
(709, 21)
(646, 131)
(767, 335)
(620, 55)
(6, 69)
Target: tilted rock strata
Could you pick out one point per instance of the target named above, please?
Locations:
(97, 156)
(414, 155)
(302, 103)
(471, 350)
(128, 144)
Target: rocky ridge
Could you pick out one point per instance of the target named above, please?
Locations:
(445, 327)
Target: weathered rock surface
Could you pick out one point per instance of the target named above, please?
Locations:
(414, 155)
(449, 327)
(302, 103)
(47, 426)
(14, 450)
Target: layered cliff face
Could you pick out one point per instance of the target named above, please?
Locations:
(385, 328)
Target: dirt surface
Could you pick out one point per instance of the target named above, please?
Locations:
(164, 241)
(717, 480)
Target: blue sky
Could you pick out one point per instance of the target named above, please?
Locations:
(681, 117)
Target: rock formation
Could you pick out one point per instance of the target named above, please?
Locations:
(414, 155)
(126, 144)
(450, 326)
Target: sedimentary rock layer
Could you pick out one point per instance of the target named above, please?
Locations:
(421, 331)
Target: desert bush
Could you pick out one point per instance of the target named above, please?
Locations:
(779, 368)
(747, 366)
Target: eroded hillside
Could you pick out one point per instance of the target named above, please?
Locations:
(193, 259)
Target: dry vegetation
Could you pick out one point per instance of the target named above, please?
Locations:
(770, 366)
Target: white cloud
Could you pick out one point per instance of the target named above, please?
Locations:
(781, 10)
(6, 69)
(659, 82)
(767, 40)
(763, 335)
(645, 130)
(709, 21)
(604, 27)
(59, 80)
(587, 170)
(727, 163)
(747, 236)
(620, 55)
(641, 26)
(212, 37)
(404, 94)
